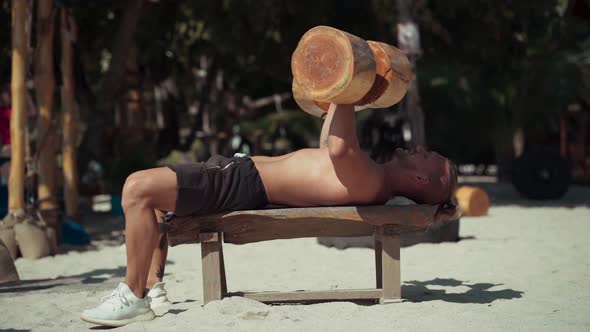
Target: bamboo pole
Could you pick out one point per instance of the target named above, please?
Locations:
(70, 114)
(18, 119)
(45, 89)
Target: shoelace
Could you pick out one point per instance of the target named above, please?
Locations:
(114, 297)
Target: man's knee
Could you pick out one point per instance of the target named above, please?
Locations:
(137, 190)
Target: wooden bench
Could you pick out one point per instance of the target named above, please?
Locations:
(384, 222)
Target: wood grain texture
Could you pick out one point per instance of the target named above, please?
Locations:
(211, 266)
(18, 118)
(390, 265)
(70, 115)
(303, 296)
(45, 91)
(395, 79)
(306, 104)
(332, 65)
(261, 225)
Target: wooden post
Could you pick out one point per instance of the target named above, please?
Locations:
(409, 41)
(391, 269)
(18, 118)
(212, 266)
(45, 88)
(132, 112)
(378, 256)
(222, 267)
(70, 114)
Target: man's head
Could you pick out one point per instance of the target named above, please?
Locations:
(423, 176)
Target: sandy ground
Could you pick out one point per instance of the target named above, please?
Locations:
(526, 266)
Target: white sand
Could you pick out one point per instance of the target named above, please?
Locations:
(520, 268)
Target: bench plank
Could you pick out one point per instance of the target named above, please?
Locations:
(302, 296)
(241, 227)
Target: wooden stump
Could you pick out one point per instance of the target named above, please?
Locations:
(331, 65)
(473, 201)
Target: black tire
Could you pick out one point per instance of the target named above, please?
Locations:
(541, 175)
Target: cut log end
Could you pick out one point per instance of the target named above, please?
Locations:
(333, 66)
(321, 62)
(473, 201)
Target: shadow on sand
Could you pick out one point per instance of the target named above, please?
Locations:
(93, 277)
(480, 293)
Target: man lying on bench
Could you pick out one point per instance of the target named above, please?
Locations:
(336, 173)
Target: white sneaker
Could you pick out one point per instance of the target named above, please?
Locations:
(158, 296)
(120, 308)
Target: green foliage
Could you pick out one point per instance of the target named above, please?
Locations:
(487, 66)
(492, 66)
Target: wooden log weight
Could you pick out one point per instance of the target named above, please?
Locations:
(334, 66)
(312, 107)
(392, 77)
(393, 73)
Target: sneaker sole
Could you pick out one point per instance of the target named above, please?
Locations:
(115, 323)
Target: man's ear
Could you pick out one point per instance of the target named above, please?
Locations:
(420, 178)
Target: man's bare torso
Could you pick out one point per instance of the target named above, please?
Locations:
(308, 177)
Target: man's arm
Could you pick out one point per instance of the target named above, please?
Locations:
(326, 126)
(339, 131)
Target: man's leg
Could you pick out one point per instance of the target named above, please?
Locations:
(158, 265)
(144, 192)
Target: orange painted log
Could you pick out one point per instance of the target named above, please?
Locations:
(473, 201)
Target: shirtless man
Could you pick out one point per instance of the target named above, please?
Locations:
(336, 173)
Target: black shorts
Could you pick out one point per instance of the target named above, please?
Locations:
(219, 184)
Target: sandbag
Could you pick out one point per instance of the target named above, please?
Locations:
(32, 240)
(7, 269)
(7, 235)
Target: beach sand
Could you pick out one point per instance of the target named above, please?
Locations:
(524, 267)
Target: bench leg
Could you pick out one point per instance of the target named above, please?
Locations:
(378, 260)
(222, 263)
(214, 287)
(390, 267)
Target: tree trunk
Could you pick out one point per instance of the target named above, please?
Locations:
(409, 42)
(131, 109)
(18, 118)
(70, 114)
(113, 81)
(45, 88)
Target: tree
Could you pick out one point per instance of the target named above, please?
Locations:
(18, 125)
(45, 89)
(70, 118)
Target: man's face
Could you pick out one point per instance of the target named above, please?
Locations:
(427, 162)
